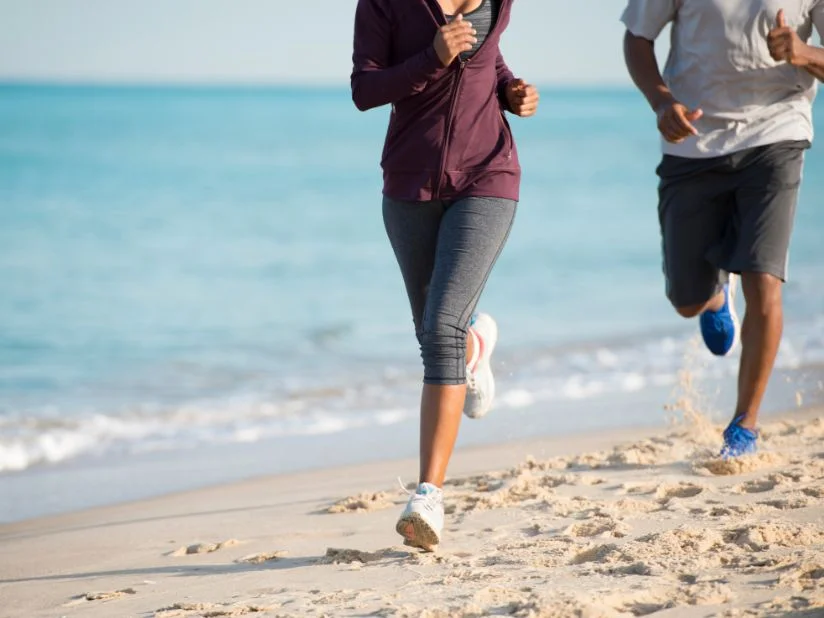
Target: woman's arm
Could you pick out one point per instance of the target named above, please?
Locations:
(374, 82)
(516, 96)
(505, 76)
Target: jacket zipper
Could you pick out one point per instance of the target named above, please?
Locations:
(452, 101)
(448, 134)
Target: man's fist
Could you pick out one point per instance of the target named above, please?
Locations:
(785, 44)
(675, 121)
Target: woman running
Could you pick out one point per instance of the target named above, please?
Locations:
(451, 182)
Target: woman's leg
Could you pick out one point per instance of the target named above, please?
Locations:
(413, 229)
(472, 235)
(445, 254)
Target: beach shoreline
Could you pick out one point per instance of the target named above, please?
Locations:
(610, 523)
(93, 482)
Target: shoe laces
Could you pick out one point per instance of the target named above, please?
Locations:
(431, 497)
(470, 380)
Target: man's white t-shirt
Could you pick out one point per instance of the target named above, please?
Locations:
(719, 61)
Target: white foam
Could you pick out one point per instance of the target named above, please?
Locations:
(518, 398)
(50, 436)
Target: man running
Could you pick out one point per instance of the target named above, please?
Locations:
(734, 107)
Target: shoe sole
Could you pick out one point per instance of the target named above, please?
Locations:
(484, 363)
(417, 533)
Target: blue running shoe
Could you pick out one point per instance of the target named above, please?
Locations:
(738, 440)
(720, 329)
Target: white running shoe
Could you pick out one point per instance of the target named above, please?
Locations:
(480, 383)
(421, 522)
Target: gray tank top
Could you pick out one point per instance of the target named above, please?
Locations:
(482, 18)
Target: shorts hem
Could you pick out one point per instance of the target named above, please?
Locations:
(444, 381)
(779, 272)
(678, 302)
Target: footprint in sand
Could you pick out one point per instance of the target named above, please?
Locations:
(210, 610)
(757, 486)
(638, 489)
(631, 506)
(763, 536)
(795, 606)
(667, 491)
(337, 598)
(100, 596)
(636, 568)
(349, 556)
(203, 548)
(651, 600)
(364, 503)
(602, 527)
(715, 466)
(732, 510)
(789, 503)
(814, 492)
(682, 543)
(261, 558)
(646, 453)
(602, 554)
(802, 577)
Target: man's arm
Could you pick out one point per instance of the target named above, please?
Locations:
(816, 62)
(674, 119)
(639, 55)
(785, 45)
(817, 65)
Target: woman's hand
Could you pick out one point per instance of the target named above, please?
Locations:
(522, 98)
(453, 39)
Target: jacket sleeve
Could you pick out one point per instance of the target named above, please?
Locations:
(504, 77)
(374, 82)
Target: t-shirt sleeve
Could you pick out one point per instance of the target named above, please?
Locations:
(647, 18)
(818, 19)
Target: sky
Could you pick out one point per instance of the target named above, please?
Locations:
(272, 41)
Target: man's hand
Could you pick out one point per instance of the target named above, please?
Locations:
(785, 44)
(675, 121)
(453, 39)
(522, 98)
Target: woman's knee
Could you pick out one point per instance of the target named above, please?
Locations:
(443, 350)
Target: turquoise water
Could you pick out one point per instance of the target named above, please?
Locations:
(183, 267)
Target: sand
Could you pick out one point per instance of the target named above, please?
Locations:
(591, 527)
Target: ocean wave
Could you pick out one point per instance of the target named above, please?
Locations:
(525, 379)
(26, 442)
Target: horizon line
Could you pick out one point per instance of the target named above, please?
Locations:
(6, 82)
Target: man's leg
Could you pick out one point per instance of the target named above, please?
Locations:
(760, 338)
(766, 199)
(694, 209)
(713, 304)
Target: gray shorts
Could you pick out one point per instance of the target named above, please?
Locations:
(446, 251)
(728, 214)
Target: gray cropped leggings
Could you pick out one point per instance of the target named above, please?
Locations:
(446, 251)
